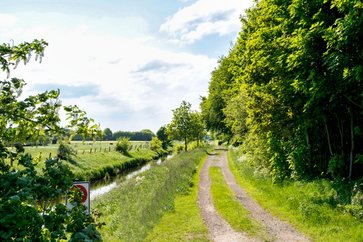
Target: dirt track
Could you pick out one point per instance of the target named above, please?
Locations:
(218, 228)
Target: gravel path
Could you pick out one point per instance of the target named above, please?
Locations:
(219, 229)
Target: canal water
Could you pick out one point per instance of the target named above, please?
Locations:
(104, 186)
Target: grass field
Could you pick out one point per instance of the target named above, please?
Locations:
(81, 148)
(133, 209)
(95, 160)
(308, 205)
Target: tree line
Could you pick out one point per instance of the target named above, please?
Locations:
(143, 135)
(290, 89)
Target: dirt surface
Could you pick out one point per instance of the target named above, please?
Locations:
(218, 228)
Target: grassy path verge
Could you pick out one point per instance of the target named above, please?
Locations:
(304, 204)
(185, 223)
(132, 210)
(230, 208)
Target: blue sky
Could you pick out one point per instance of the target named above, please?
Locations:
(126, 63)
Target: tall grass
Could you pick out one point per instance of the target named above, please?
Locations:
(312, 206)
(133, 209)
(185, 222)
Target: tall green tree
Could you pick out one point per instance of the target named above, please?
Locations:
(163, 137)
(198, 129)
(107, 134)
(294, 98)
(181, 126)
(221, 87)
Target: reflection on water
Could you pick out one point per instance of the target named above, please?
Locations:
(102, 190)
(104, 186)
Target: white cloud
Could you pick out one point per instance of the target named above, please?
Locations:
(127, 98)
(7, 20)
(205, 17)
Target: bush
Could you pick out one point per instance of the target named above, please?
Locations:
(123, 145)
(157, 146)
(65, 152)
(178, 148)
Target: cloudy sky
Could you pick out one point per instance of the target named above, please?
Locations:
(127, 63)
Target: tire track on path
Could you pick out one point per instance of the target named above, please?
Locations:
(218, 229)
(277, 229)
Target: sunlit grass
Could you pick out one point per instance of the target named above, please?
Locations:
(134, 208)
(185, 223)
(102, 162)
(307, 205)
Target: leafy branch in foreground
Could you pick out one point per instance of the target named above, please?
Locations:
(30, 209)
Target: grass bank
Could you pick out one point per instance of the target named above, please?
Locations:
(311, 206)
(230, 208)
(185, 222)
(97, 162)
(134, 208)
(103, 165)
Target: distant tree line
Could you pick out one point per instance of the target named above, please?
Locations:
(143, 135)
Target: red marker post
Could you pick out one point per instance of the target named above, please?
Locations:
(85, 189)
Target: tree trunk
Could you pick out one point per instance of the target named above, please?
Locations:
(351, 144)
(328, 137)
(341, 132)
(185, 144)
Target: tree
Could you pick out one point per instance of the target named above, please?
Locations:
(163, 137)
(123, 145)
(107, 134)
(220, 90)
(156, 145)
(28, 207)
(291, 91)
(181, 126)
(198, 129)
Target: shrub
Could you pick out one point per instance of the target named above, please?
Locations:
(65, 152)
(178, 148)
(123, 145)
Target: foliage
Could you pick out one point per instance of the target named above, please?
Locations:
(177, 148)
(290, 89)
(156, 145)
(163, 137)
(186, 125)
(29, 210)
(220, 90)
(65, 152)
(107, 134)
(131, 210)
(123, 145)
(180, 127)
(198, 129)
(11, 55)
(143, 135)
